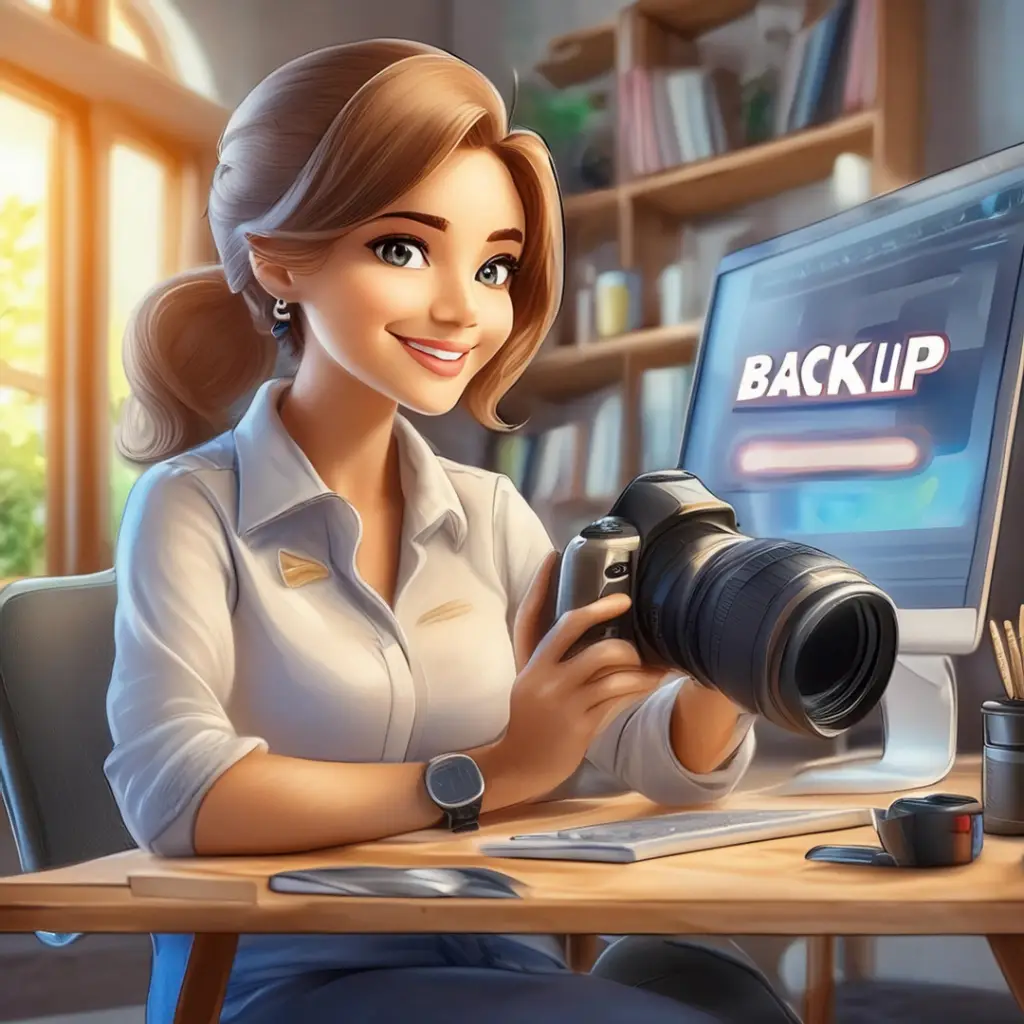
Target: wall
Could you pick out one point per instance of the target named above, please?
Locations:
(247, 39)
(975, 79)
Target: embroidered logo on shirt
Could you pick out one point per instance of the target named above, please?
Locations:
(297, 570)
(443, 612)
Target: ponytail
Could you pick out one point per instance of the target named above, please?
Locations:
(191, 350)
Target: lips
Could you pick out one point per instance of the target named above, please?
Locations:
(445, 358)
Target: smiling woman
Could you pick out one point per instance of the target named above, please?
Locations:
(315, 612)
(325, 242)
(433, 271)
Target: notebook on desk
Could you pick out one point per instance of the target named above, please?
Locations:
(623, 842)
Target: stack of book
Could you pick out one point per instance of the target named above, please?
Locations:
(671, 116)
(830, 68)
(546, 466)
(581, 459)
(670, 109)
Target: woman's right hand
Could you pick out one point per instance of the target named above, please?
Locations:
(557, 707)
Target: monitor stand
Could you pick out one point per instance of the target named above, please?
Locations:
(919, 715)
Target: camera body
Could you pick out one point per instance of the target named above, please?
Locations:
(604, 557)
(784, 630)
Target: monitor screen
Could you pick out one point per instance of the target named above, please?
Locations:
(856, 385)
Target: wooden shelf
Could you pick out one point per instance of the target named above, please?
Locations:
(645, 216)
(572, 370)
(720, 183)
(579, 56)
(695, 17)
(599, 203)
(755, 172)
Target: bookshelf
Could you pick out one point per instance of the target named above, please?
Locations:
(641, 214)
(568, 371)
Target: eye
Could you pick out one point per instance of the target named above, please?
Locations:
(401, 252)
(497, 272)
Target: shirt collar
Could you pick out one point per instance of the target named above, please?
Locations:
(275, 477)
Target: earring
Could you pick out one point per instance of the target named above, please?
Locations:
(282, 319)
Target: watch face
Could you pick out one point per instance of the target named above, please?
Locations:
(455, 781)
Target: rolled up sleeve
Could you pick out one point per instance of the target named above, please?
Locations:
(174, 661)
(636, 748)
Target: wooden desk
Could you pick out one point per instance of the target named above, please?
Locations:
(764, 888)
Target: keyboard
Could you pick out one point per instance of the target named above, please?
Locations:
(669, 834)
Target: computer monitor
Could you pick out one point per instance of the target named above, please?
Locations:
(857, 389)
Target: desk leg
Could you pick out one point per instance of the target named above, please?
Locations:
(1009, 953)
(858, 957)
(581, 952)
(206, 979)
(819, 988)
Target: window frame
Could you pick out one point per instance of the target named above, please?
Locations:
(60, 62)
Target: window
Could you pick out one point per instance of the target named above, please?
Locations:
(140, 204)
(26, 154)
(106, 168)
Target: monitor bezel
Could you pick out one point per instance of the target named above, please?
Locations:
(932, 630)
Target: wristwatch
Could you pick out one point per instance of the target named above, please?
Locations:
(455, 783)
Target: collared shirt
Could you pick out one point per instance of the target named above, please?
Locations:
(242, 623)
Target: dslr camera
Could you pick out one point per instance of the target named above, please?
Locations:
(782, 629)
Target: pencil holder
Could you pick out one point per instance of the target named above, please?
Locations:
(1002, 775)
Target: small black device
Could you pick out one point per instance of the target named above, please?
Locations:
(1002, 767)
(455, 783)
(939, 830)
(782, 629)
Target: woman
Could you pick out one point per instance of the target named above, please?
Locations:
(313, 605)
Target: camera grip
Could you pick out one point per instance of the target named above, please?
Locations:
(614, 629)
(619, 628)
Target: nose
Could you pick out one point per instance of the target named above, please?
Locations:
(453, 302)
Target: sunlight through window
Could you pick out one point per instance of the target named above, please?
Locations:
(26, 146)
(138, 247)
(43, 5)
(121, 34)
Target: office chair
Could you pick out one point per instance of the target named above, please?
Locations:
(56, 655)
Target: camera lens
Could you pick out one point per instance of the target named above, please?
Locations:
(781, 628)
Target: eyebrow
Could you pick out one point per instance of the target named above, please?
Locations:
(423, 218)
(506, 234)
(432, 221)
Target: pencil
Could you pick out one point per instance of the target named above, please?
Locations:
(1000, 655)
(1016, 668)
(1020, 627)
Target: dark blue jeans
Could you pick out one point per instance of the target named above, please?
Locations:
(428, 979)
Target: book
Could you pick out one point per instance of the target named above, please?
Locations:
(823, 51)
(554, 471)
(512, 456)
(604, 458)
(790, 80)
(664, 397)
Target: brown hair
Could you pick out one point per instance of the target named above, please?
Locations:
(321, 145)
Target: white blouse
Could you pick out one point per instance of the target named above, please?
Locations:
(242, 623)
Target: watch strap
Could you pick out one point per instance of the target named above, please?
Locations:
(464, 819)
